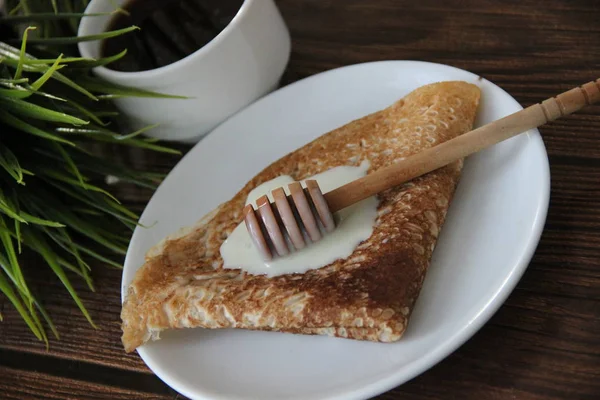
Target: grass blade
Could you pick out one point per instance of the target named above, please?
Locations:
(36, 320)
(62, 239)
(13, 262)
(32, 301)
(16, 8)
(12, 56)
(71, 220)
(20, 93)
(10, 213)
(17, 19)
(25, 127)
(39, 221)
(78, 39)
(9, 209)
(136, 133)
(22, 52)
(97, 256)
(84, 131)
(87, 113)
(102, 135)
(70, 163)
(91, 63)
(125, 211)
(85, 229)
(145, 145)
(10, 163)
(49, 96)
(42, 79)
(51, 259)
(18, 235)
(129, 222)
(96, 165)
(60, 177)
(50, 61)
(139, 143)
(37, 112)
(63, 79)
(47, 319)
(7, 290)
(9, 82)
(87, 211)
(73, 268)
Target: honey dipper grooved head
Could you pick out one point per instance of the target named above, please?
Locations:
(288, 217)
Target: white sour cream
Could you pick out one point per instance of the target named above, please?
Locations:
(354, 225)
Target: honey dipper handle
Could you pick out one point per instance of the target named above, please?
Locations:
(464, 145)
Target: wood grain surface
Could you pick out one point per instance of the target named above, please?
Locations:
(543, 343)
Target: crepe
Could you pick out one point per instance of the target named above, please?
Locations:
(367, 296)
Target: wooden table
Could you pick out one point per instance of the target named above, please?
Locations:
(544, 343)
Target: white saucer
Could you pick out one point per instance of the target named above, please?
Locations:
(492, 230)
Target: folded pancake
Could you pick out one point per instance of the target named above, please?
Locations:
(368, 295)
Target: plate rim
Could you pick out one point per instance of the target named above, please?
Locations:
(460, 336)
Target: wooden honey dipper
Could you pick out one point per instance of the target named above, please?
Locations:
(304, 209)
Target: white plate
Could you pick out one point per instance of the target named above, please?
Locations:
(492, 230)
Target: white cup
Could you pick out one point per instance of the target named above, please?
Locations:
(242, 63)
